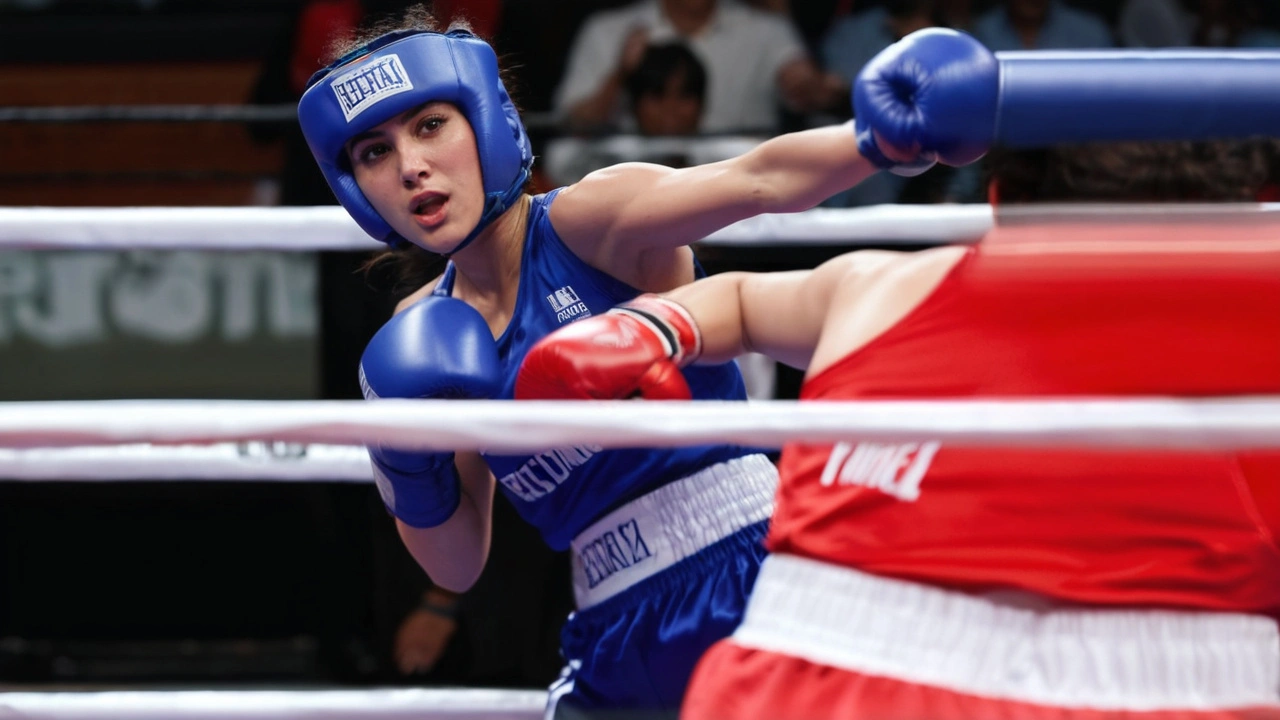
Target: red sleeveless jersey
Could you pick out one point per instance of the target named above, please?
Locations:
(1191, 311)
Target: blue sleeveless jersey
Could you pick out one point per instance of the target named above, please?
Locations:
(561, 491)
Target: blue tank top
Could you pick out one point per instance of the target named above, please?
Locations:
(563, 490)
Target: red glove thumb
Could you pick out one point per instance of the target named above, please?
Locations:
(664, 381)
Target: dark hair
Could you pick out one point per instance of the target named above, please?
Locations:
(662, 63)
(414, 17)
(1209, 171)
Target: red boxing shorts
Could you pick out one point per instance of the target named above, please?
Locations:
(822, 641)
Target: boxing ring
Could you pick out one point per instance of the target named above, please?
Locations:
(397, 704)
(292, 441)
(309, 441)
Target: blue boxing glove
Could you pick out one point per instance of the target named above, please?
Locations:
(439, 347)
(933, 93)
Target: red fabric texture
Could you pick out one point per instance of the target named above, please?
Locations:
(1187, 310)
(736, 683)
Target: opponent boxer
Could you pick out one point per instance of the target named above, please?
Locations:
(923, 580)
(421, 144)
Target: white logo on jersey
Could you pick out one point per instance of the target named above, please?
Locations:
(543, 473)
(567, 304)
(894, 469)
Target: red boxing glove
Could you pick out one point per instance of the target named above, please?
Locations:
(635, 349)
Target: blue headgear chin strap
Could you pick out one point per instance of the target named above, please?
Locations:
(396, 73)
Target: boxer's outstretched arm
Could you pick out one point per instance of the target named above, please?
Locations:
(633, 207)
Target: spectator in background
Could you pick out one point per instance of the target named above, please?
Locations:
(668, 90)
(1231, 23)
(854, 39)
(1154, 23)
(850, 43)
(754, 59)
(810, 17)
(666, 96)
(1204, 23)
(1040, 25)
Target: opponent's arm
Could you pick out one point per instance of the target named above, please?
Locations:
(808, 318)
(778, 314)
(803, 318)
(638, 348)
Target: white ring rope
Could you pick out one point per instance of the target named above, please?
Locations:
(330, 228)
(502, 426)
(300, 229)
(381, 704)
(253, 461)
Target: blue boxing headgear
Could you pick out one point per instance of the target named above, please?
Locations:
(396, 73)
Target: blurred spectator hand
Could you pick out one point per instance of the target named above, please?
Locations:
(804, 88)
(633, 51)
(425, 632)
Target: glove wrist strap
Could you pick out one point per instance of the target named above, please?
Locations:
(670, 322)
(423, 497)
(870, 151)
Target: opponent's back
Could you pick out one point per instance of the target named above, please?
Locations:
(1174, 309)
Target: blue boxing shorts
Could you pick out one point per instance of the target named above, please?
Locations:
(657, 582)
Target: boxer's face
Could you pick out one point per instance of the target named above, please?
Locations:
(421, 172)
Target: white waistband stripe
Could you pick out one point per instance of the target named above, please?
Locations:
(1104, 659)
(669, 524)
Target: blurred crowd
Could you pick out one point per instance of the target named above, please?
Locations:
(607, 81)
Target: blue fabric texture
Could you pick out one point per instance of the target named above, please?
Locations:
(563, 491)
(638, 648)
(633, 652)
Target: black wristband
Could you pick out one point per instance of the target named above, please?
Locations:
(449, 611)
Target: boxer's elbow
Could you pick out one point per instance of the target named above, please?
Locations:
(452, 554)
